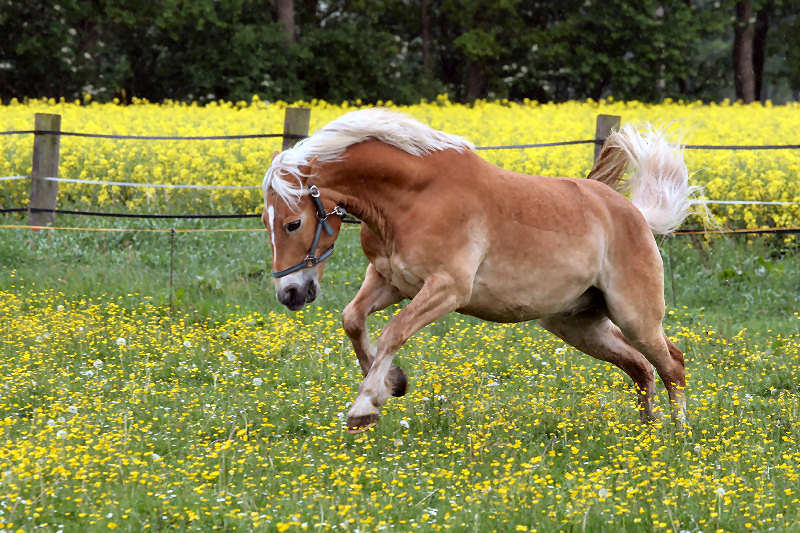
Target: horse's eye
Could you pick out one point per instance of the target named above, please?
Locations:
(292, 226)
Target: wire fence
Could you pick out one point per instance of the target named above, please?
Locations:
(292, 136)
(155, 137)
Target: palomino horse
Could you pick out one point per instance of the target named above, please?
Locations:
(452, 232)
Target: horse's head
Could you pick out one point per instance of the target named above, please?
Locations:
(302, 238)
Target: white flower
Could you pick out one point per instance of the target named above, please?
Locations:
(602, 493)
(257, 382)
(404, 423)
(61, 434)
(187, 343)
(121, 341)
(155, 457)
(72, 409)
(98, 364)
(229, 355)
(60, 308)
(720, 491)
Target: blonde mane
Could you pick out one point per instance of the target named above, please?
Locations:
(330, 142)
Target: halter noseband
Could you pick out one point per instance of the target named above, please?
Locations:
(322, 223)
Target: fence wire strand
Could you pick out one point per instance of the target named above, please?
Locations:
(155, 137)
(294, 136)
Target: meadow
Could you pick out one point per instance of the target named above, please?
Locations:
(130, 404)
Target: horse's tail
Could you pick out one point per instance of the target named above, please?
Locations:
(659, 182)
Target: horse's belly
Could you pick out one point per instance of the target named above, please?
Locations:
(528, 294)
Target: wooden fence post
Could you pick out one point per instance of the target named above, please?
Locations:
(46, 147)
(295, 122)
(603, 127)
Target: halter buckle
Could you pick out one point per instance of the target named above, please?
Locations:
(313, 191)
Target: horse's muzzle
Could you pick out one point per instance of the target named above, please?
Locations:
(296, 296)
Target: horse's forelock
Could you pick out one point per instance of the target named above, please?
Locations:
(284, 176)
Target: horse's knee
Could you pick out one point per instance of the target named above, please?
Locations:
(353, 322)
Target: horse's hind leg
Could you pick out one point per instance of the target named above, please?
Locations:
(375, 294)
(637, 307)
(594, 334)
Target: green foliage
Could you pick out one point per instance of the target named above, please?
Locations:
(373, 50)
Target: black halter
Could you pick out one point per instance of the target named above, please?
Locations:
(322, 223)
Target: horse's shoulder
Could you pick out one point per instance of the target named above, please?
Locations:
(372, 244)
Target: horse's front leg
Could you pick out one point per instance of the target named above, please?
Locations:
(440, 294)
(375, 294)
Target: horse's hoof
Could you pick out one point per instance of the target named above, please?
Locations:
(398, 381)
(359, 424)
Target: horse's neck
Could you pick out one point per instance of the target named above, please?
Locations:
(372, 181)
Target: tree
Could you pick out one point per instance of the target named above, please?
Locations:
(286, 18)
(751, 25)
(400, 50)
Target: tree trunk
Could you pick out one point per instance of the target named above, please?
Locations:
(759, 46)
(476, 81)
(286, 18)
(744, 34)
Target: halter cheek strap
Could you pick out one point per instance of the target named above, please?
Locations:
(311, 259)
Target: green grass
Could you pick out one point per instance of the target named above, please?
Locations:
(734, 279)
(226, 413)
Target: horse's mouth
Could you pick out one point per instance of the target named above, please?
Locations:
(294, 297)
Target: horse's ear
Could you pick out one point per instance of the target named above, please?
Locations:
(305, 170)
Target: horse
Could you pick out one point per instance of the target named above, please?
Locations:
(450, 231)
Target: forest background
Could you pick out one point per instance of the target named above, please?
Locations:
(400, 50)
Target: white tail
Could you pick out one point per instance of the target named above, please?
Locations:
(659, 181)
